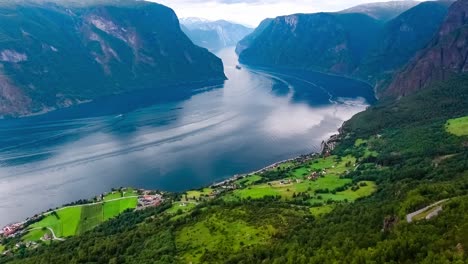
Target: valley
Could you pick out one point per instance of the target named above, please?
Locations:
(175, 143)
(322, 137)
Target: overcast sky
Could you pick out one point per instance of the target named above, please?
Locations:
(251, 12)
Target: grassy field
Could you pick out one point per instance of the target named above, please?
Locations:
(249, 180)
(114, 208)
(321, 210)
(215, 232)
(297, 181)
(35, 235)
(76, 220)
(182, 206)
(195, 195)
(458, 126)
(64, 224)
(91, 216)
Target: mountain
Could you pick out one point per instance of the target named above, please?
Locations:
(446, 55)
(401, 38)
(58, 53)
(249, 39)
(383, 11)
(343, 43)
(324, 41)
(214, 35)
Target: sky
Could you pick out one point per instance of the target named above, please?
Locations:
(252, 12)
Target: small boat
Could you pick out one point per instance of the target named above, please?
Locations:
(238, 67)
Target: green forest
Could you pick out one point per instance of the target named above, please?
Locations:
(411, 153)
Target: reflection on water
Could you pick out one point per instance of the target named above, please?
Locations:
(174, 143)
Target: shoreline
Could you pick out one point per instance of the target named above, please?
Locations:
(271, 166)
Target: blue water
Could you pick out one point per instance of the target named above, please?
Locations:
(183, 139)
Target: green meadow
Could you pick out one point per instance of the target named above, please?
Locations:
(74, 220)
(458, 126)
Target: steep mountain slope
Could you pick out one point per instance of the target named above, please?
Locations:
(401, 38)
(249, 39)
(323, 41)
(446, 55)
(214, 35)
(383, 11)
(59, 54)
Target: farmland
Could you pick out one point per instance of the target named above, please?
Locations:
(73, 220)
(315, 181)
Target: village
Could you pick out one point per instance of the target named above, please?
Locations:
(123, 198)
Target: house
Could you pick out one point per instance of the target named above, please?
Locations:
(11, 229)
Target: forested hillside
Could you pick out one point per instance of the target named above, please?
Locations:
(406, 147)
(356, 42)
(59, 53)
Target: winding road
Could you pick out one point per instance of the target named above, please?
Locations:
(409, 217)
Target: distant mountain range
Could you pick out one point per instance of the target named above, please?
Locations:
(383, 11)
(214, 35)
(58, 53)
(346, 43)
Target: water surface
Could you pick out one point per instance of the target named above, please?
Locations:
(172, 142)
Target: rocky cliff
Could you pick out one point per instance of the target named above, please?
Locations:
(400, 40)
(446, 55)
(59, 53)
(249, 39)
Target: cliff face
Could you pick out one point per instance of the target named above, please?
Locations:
(401, 39)
(446, 55)
(323, 41)
(56, 54)
(249, 39)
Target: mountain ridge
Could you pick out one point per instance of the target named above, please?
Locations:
(110, 47)
(214, 35)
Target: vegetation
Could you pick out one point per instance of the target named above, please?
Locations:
(70, 221)
(458, 126)
(99, 62)
(415, 162)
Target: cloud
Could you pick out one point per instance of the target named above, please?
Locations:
(251, 12)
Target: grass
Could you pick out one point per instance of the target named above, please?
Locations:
(297, 183)
(197, 194)
(218, 232)
(130, 192)
(114, 208)
(113, 195)
(35, 235)
(64, 224)
(71, 221)
(91, 216)
(2, 248)
(249, 180)
(182, 206)
(360, 142)
(458, 126)
(321, 210)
